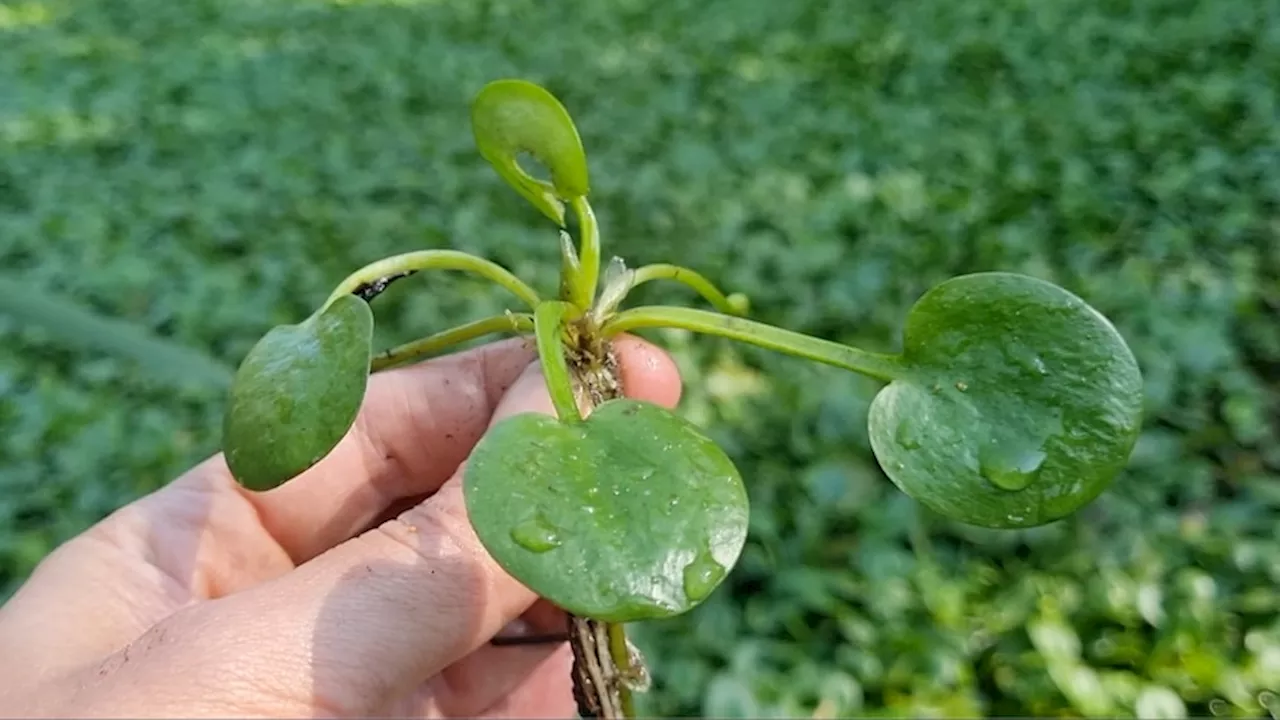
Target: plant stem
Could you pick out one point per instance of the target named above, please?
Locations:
(412, 262)
(588, 278)
(549, 320)
(620, 653)
(880, 366)
(599, 678)
(602, 660)
(703, 286)
(507, 322)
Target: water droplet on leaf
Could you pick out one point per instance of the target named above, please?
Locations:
(1027, 359)
(536, 534)
(908, 435)
(701, 576)
(1010, 467)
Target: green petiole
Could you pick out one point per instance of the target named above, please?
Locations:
(412, 262)
(880, 366)
(548, 321)
(620, 652)
(733, 304)
(587, 277)
(570, 271)
(507, 322)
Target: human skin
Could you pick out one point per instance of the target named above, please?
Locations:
(357, 588)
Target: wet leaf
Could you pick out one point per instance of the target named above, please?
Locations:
(297, 393)
(631, 515)
(509, 117)
(1021, 403)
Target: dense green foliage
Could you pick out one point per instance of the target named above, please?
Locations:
(207, 170)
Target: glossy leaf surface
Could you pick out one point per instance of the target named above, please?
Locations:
(633, 514)
(297, 393)
(1020, 404)
(509, 117)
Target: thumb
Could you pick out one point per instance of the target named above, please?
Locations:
(374, 617)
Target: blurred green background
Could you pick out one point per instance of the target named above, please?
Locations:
(205, 169)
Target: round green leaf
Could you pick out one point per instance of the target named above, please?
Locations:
(1019, 404)
(297, 393)
(509, 117)
(631, 515)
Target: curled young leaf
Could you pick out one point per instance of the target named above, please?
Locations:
(1019, 403)
(297, 393)
(632, 514)
(509, 117)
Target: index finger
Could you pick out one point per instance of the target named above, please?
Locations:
(415, 428)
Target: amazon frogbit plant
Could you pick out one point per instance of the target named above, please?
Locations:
(1012, 403)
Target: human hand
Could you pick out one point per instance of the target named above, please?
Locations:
(357, 588)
